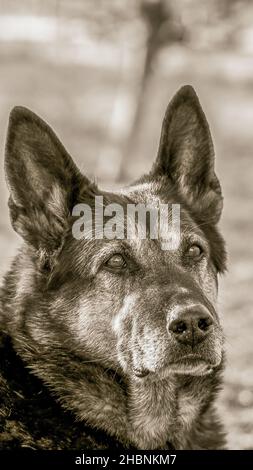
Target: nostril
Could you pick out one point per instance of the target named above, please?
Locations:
(179, 327)
(142, 372)
(204, 323)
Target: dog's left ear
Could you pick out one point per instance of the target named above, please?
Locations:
(43, 181)
(186, 155)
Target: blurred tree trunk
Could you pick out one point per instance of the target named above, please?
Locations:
(162, 29)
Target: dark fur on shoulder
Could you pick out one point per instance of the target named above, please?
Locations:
(98, 357)
(30, 417)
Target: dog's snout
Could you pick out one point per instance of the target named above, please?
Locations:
(191, 326)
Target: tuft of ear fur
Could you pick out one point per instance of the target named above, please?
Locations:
(42, 178)
(186, 155)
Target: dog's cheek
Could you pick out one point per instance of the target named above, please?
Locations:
(92, 324)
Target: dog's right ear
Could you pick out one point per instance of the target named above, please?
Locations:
(186, 155)
(43, 181)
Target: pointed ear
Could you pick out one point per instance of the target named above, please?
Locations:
(186, 155)
(42, 178)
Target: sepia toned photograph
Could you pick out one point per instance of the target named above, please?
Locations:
(126, 227)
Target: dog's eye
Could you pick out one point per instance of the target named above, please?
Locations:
(194, 252)
(116, 263)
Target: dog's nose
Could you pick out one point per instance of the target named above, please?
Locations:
(191, 326)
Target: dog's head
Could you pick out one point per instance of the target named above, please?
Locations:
(124, 301)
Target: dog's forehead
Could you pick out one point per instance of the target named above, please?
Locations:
(88, 255)
(153, 194)
(146, 192)
(149, 250)
(157, 194)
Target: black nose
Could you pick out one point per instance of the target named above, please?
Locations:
(191, 326)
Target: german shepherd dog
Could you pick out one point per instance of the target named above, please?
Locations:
(107, 342)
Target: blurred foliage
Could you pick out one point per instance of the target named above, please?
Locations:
(108, 17)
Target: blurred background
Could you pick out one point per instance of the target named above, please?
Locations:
(101, 73)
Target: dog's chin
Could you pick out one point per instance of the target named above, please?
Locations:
(188, 365)
(191, 365)
(195, 368)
